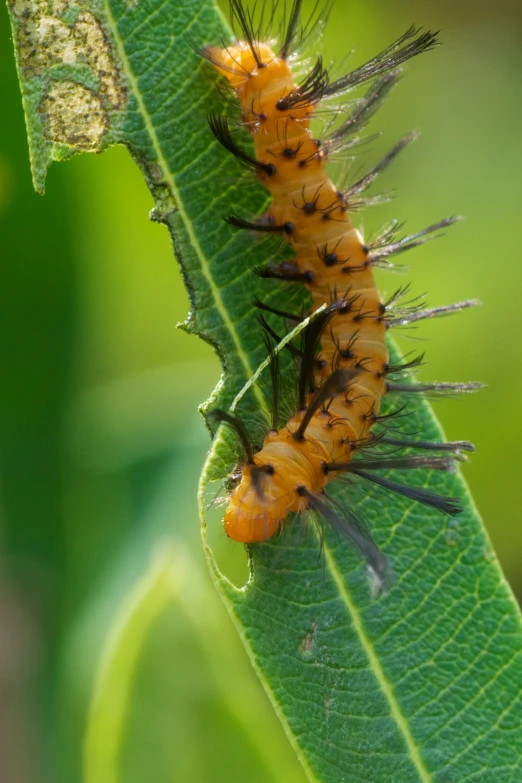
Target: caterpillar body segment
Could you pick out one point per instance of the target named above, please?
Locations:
(329, 252)
(333, 417)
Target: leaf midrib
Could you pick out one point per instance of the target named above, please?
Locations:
(377, 670)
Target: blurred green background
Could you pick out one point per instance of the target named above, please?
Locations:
(101, 443)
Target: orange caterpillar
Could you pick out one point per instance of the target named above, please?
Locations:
(341, 388)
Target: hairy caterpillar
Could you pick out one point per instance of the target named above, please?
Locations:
(341, 388)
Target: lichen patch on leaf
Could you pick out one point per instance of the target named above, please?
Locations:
(93, 48)
(70, 81)
(73, 115)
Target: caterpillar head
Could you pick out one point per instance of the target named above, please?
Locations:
(269, 488)
(258, 505)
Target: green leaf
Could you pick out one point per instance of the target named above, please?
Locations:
(420, 684)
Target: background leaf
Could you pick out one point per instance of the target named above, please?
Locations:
(160, 76)
(171, 613)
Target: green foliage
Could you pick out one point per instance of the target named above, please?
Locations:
(419, 684)
(172, 614)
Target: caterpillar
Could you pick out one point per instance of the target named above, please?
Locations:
(342, 385)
